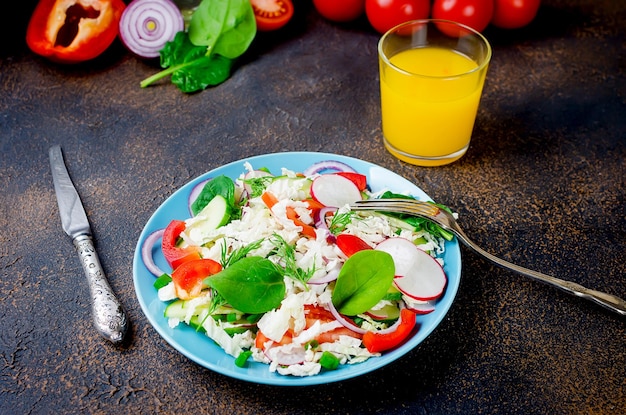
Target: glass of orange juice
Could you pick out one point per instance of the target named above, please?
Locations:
(432, 74)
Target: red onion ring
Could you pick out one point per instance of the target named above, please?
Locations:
(146, 252)
(320, 223)
(344, 321)
(193, 195)
(146, 25)
(285, 359)
(330, 276)
(327, 165)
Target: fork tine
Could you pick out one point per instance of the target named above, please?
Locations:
(405, 205)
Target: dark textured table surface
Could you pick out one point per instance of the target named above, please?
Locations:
(543, 185)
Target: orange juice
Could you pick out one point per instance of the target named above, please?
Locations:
(429, 98)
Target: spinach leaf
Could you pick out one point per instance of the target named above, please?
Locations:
(225, 27)
(220, 185)
(219, 32)
(251, 285)
(363, 281)
(204, 72)
(190, 66)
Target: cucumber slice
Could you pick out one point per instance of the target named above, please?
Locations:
(179, 309)
(216, 213)
(176, 309)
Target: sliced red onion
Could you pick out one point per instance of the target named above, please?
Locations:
(327, 165)
(320, 222)
(146, 252)
(344, 321)
(193, 195)
(286, 355)
(330, 276)
(146, 25)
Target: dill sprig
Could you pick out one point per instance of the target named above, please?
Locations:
(228, 259)
(258, 184)
(340, 221)
(288, 254)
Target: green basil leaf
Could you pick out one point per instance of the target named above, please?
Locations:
(363, 281)
(251, 285)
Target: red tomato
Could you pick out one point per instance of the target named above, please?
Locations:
(189, 277)
(314, 313)
(340, 10)
(351, 244)
(385, 14)
(173, 254)
(513, 14)
(271, 14)
(473, 13)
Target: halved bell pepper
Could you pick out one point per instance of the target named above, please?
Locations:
(72, 31)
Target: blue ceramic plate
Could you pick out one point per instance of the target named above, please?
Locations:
(203, 350)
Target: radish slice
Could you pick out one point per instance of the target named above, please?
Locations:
(388, 312)
(146, 25)
(327, 165)
(422, 308)
(333, 190)
(146, 252)
(418, 275)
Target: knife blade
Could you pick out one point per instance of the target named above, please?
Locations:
(108, 314)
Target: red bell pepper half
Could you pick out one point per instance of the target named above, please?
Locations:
(72, 31)
(377, 342)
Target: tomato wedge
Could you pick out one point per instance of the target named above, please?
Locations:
(272, 14)
(173, 254)
(189, 277)
(351, 244)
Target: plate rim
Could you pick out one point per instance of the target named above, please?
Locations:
(348, 371)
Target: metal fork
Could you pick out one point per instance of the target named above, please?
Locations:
(448, 222)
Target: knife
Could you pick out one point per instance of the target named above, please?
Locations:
(107, 312)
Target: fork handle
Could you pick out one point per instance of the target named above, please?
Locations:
(609, 301)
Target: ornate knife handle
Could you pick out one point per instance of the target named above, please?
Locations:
(108, 314)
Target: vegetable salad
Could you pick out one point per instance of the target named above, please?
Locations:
(278, 269)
